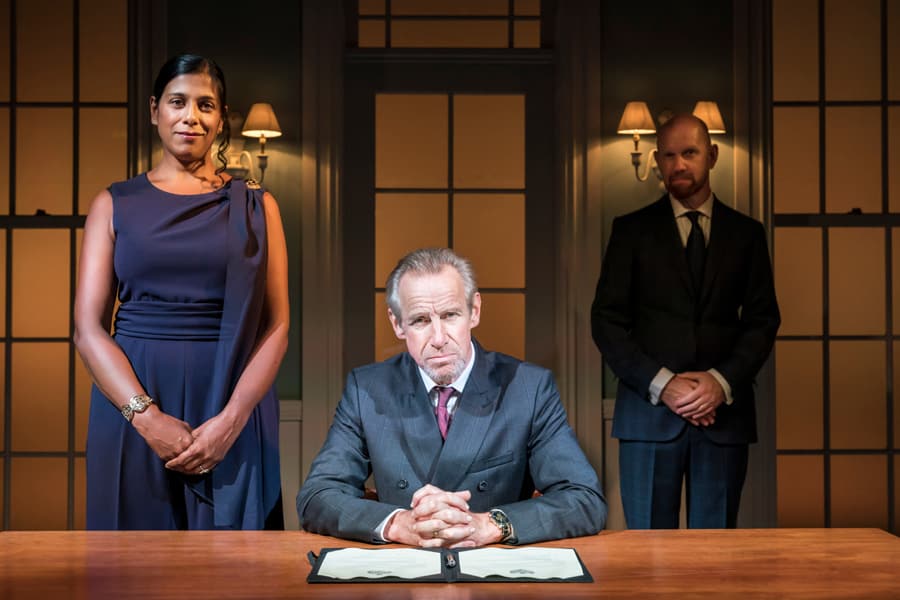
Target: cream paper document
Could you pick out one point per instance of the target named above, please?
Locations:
(410, 563)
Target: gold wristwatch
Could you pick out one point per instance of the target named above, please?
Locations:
(136, 404)
(499, 518)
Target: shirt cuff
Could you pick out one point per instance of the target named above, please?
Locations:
(659, 384)
(379, 531)
(725, 387)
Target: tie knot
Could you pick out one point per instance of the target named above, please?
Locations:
(444, 394)
(693, 216)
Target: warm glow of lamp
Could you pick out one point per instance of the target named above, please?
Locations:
(636, 120)
(261, 123)
(708, 112)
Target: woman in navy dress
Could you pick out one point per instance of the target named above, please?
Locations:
(183, 429)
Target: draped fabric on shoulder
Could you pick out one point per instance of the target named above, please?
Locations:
(238, 485)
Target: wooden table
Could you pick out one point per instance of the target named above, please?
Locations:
(763, 563)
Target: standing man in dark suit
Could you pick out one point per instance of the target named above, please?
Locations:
(685, 315)
(458, 438)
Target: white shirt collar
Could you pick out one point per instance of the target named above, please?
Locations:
(460, 382)
(680, 209)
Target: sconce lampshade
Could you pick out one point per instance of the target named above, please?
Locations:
(261, 122)
(708, 112)
(636, 119)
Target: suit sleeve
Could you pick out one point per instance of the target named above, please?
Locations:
(331, 500)
(760, 317)
(571, 503)
(612, 314)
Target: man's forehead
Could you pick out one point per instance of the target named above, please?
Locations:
(682, 134)
(424, 291)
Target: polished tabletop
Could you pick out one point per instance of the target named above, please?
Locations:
(745, 563)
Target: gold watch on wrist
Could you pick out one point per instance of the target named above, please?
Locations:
(499, 518)
(136, 404)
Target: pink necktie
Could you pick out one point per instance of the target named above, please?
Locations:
(443, 415)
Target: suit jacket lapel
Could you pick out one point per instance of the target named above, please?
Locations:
(421, 437)
(471, 421)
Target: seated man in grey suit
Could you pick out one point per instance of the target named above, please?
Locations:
(458, 438)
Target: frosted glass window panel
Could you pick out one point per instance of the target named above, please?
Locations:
(893, 70)
(403, 223)
(859, 491)
(2, 283)
(527, 34)
(894, 157)
(79, 242)
(489, 141)
(853, 159)
(856, 280)
(103, 46)
(387, 344)
(450, 7)
(82, 403)
(411, 140)
(858, 395)
(530, 8)
(895, 280)
(40, 280)
(798, 279)
(896, 398)
(371, 33)
(371, 7)
(896, 495)
(4, 160)
(796, 159)
(102, 151)
(450, 33)
(795, 55)
(502, 327)
(801, 490)
(44, 146)
(798, 388)
(40, 396)
(39, 493)
(4, 52)
(44, 51)
(489, 230)
(852, 49)
(2, 398)
(80, 505)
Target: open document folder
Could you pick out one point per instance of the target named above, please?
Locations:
(349, 565)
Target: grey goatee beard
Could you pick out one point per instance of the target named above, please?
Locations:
(446, 377)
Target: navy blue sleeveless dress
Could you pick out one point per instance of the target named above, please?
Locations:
(191, 271)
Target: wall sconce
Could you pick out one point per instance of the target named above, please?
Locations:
(239, 164)
(261, 123)
(708, 112)
(636, 120)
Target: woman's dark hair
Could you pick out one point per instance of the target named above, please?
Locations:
(189, 64)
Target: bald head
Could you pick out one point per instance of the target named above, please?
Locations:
(679, 121)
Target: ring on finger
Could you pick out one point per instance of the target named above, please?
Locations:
(203, 470)
(436, 533)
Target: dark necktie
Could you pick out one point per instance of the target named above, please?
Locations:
(443, 415)
(695, 250)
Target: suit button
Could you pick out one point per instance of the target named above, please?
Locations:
(482, 485)
(402, 484)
